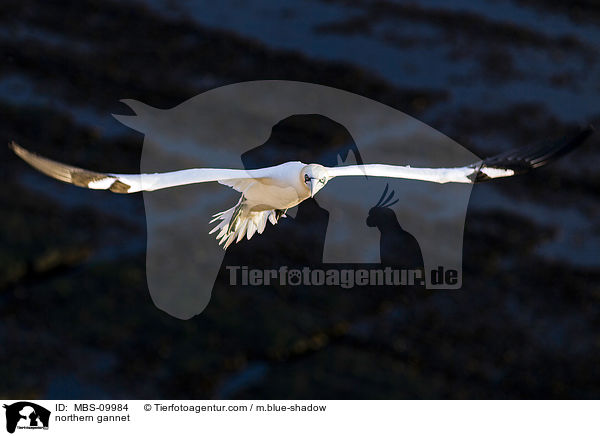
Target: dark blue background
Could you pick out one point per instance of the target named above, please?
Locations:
(76, 319)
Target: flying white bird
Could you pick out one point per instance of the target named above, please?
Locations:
(267, 193)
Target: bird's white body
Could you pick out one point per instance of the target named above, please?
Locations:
(282, 189)
(266, 194)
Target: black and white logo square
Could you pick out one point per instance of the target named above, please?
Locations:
(26, 415)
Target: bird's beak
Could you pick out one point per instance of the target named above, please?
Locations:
(312, 189)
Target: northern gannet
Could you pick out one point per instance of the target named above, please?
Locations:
(267, 193)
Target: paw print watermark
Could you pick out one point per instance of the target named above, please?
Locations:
(294, 277)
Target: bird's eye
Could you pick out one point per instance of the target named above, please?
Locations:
(322, 180)
(306, 178)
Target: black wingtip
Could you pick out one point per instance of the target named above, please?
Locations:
(566, 145)
(523, 160)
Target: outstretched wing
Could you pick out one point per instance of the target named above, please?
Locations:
(128, 183)
(503, 165)
(525, 159)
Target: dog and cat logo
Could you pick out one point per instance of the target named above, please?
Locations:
(26, 415)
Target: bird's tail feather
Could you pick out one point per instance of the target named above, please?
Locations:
(240, 220)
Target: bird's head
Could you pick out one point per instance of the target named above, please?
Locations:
(314, 176)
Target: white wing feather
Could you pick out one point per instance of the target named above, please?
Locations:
(438, 175)
(129, 183)
(509, 163)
